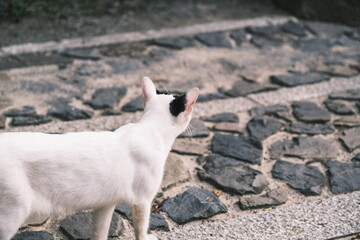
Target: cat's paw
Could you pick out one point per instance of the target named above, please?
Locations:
(152, 237)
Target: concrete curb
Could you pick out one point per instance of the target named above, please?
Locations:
(137, 36)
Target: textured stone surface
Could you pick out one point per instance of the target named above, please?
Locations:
(338, 107)
(158, 222)
(301, 128)
(214, 39)
(227, 127)
(270, 110)
(337, 70)
(24, 111)
(327, 29)
(124, 210)
(79, 226)
(344, 177)
(263, 127)
(186, 147)
(304, 148)
(31, 235)
(266, 31)
(351, 138)
(299, 79)
(356, 158)
(242, 88)
(134, 105)
(175, 172)
(67, 113)
(222, 117)
(310, 112)
(194, 203)
(30, 120)
(352, 95)
(306, 179)
(232, 176)
(106, 97)
(347, 121)
(196, 129)
(272, 198)
(263, 42)
(239, 36)
(247, 149)
(294, 28)
(175, 43)
(86, 53)
(210, 96)
(313, 45)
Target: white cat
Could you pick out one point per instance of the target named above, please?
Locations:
(43, 174)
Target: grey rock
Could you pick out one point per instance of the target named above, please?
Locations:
(350, 95)
(351, 139)
(344, 177)
(247, 149)
(134, 105)
(263, 42)
(304, 148)
(193, 204)
(222, 117)
(209, 97)
(214, 39)
(30, 120)
(79, 226)
(263, 127)
(228, 66)
(158, 222)
(175, 43)
(91, 69)
(306, 179)
(186, 147)
(24, 111)
(294, 28)
(324, 29)
(337, 70)
(124, 210)
(32, 235)
(266, 31)
(348, 42)
(356, 158)
(232, 176)
(299, 79)
(123, 65)
(110, 112)
(313, 45)
(2, 122)
(197, 130)
(242, 88)
(347, 121)
(86, 53)
(68, 113)
(338, 107)
(310, 112)
(175, 172)
(239, 36)
(227, 127)
(270, 110)
(274, 197)
(106, 97)
(300, 128)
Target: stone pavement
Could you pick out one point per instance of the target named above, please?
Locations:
(272, 153)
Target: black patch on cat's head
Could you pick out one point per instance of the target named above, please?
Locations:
(178, 105)
(160, 92)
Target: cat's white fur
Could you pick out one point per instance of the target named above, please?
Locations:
(44, 174)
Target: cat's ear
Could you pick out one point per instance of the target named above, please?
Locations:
(148, 89)
(191, 97)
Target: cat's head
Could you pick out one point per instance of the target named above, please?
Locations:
(168, 109)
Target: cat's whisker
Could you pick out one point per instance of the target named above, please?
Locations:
(165, 88)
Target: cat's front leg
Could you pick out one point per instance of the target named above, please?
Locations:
(141, 217)
(101, 222)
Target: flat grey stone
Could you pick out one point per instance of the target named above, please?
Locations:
(356, 158)
(86, 53)
(134, 105)
(266, 31)
(91, 68)
(158, 222)
(300, 128)
(29, 120)
(242, 88)
(263, 127)
(270, 110)
(196, 130)
(186, 147)
(299, 79)
(175, 43)
(310, 112)
(247, 149)
(338, 107)
(274, 197)
(294, 28)
(327, 29)
(337, 70)
(348, 42)
(110, 112)
(347, 121)
(239, 36)
(306, 179)
(222, 117)
(232, 176)
(66, 112)
(193, 204)
(344, 177)
(124, 210)
(175, 172)
(351, 95)
(214, 39)
(2, 122)
(263, 42)
(228, 66)
(308, 148)
(79, 226)
(351, 139)
(106, 97)
(32, 235)
(313, 45)
(124, 65)
(227, 127)
(24, 111)
(209, 97)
